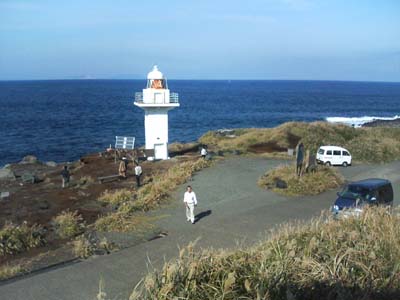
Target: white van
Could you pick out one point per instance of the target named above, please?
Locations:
(333, 155)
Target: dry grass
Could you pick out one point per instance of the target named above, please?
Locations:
(82, 247)
(117, 197)
(124, 222)
(8, 271)
(365, 144)
(19, 238)
(68, 224)
(323, 179)
(354, 258)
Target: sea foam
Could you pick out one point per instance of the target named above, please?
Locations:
(358, 121)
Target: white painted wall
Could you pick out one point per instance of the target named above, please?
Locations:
(156, 130)
(159, 96)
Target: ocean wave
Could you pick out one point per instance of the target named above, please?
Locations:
(358, 121)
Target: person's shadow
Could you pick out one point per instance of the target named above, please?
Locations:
(202, 215)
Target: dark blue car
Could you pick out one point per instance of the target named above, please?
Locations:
(356, 195)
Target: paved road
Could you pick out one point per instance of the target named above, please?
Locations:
(234, 211)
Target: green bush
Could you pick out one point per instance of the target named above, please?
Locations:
(19, 238)
(354, 258)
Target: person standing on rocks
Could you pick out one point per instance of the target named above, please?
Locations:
(138, 174)
(65, 177)
(190, 201)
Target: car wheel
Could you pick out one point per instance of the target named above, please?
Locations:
(345, 164)
(328, 163)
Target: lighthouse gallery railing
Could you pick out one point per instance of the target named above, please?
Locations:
(173, 98)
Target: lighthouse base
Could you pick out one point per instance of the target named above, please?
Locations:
(160, 151)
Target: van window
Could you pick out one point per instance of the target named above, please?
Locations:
(345, 153)
(336, 152)
(329, 152)
(321, 151)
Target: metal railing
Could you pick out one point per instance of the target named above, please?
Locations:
(173, 98)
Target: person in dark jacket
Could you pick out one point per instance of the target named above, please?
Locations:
(65, 177)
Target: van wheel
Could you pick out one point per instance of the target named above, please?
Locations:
(345, 164)
(328, 163)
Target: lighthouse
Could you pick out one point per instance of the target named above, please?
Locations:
(156, 100)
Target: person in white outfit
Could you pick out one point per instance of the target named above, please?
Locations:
(190, 201)
(203, 152)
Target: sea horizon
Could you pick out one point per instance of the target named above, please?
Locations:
(61, 120)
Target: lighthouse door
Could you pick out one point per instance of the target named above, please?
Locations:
(160, 151)
(159, 98)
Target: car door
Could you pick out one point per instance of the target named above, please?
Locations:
(337, 157)
(328, 156)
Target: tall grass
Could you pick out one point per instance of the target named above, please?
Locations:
(369, 144)
(354, 258)
(323, 179)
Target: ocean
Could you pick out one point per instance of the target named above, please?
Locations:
(61, 120)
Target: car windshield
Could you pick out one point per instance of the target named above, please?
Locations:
(356, 192)
(321, 151)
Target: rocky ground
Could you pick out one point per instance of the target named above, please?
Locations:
(383, 123)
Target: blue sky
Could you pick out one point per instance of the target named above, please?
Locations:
(254, 39)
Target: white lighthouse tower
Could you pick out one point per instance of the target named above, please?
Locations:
(156, 100)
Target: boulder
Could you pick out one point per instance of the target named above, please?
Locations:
(44, 204)
(280, 184)
(6, 174)
(29, 159)
(52, 164)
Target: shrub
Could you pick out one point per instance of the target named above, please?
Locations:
(68, 224)
(83, 247)
(19, 238)
(323, 179)
(354, 258)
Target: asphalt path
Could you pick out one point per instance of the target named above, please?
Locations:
(232, 211)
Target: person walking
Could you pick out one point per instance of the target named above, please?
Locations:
(190, 201)
(203, 152)
(138, 174)
(65, 177)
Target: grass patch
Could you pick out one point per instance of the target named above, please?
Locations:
(367, 144)
(19, 238)
(325, 178)
(8, 271)
(354, 258)
(68, 224)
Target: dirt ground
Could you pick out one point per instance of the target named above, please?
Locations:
(40, 202)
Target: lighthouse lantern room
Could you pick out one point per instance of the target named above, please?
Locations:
(156, 100)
